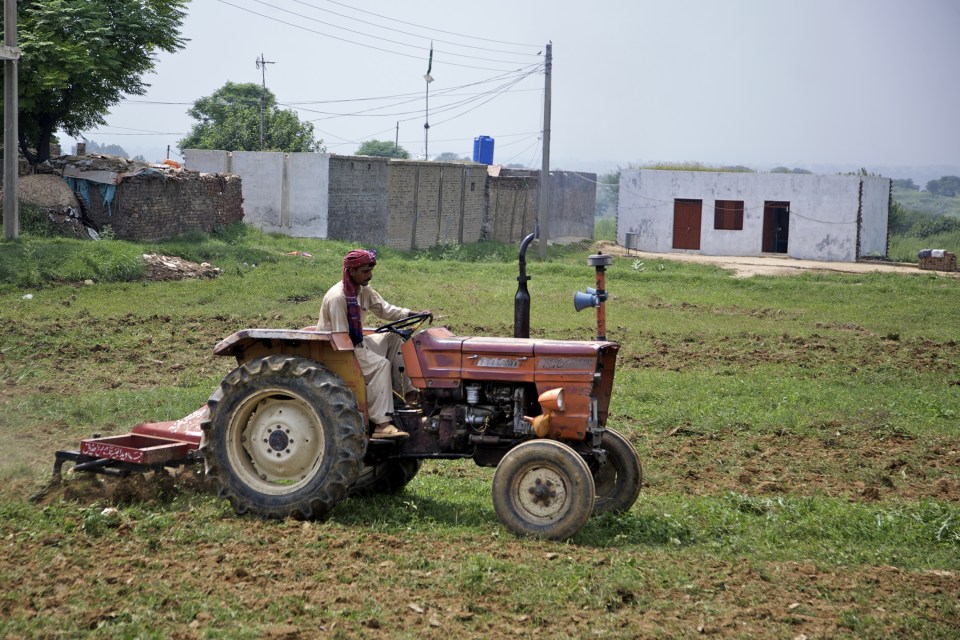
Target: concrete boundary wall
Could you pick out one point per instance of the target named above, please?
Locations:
(401, 204)
(283, 192)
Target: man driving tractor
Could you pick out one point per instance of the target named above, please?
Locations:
(343, 309)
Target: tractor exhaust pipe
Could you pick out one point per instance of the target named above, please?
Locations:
(521, 303)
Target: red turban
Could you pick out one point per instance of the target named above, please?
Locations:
(359, 258)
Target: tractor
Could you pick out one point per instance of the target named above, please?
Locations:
(286, 432)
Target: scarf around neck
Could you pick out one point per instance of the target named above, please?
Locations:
(354, 259)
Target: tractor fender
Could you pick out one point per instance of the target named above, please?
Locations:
(334, 350)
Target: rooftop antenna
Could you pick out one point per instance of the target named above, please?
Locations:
(262, 65)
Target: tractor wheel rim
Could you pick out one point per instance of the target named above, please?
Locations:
(542, 493)
(277, 442)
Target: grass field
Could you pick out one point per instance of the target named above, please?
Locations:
(800, 439)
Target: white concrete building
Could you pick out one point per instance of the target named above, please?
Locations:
(810, 217)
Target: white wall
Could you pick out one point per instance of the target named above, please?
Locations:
(823, 211)
(282, 192)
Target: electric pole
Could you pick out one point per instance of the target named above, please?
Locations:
(545, 167)
(10, 54)
(262, 65)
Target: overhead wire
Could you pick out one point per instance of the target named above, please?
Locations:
(415, 35)
(536, 139)
(361, 44)
(415, 98)
(460, 35)
(507, 78)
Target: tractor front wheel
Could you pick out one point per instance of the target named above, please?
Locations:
(285, 438)
(618, 480)
(544, 489)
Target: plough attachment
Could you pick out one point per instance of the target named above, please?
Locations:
(150, 446)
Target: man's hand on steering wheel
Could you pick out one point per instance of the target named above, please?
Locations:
(406, 327)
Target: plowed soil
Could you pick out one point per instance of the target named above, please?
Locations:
(345, 578)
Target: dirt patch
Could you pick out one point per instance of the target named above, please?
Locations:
(160, 267)
(846, 463)
(767, 265)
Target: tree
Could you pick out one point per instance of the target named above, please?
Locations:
(79, 57)
(106, 149)
(229, 119)
(448, 156)
(382, 148)
(945, 186)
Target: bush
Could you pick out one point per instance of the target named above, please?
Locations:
(35, 222)
(935, 226)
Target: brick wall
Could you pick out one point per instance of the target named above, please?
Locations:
(511, 206)
(357, 205)
(573, 197)
(151, 207)
(433, 203)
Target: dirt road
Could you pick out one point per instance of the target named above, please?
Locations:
(745, 267)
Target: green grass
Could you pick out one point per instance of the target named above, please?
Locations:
(928, 203)
(798, 435)
(904, 248)
(605, 229)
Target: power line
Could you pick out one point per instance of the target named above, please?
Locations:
(367, 35)
(368, 46)
(407, 33)
(496, 91)
(459, 35)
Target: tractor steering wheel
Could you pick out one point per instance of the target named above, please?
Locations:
(402, 327)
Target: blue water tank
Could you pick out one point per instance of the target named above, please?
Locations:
(483, 149)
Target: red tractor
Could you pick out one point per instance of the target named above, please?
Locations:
(286, 432)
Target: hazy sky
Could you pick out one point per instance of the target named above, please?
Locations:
(756, 82)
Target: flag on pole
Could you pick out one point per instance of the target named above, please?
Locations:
(428, 77)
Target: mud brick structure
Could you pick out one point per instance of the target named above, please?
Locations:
(155, 207)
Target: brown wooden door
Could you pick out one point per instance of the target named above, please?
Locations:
(776, 226)
(686, 223)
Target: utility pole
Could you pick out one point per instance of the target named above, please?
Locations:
(426, 117)
(262, 65)
(396, 139)
(10, 53)
(545, 167)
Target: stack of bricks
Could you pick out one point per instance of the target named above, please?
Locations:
(947, 263)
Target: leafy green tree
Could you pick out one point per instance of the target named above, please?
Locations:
(382, 148)
(106, 149)
(79, 57)
(229, 119)
(946, 186)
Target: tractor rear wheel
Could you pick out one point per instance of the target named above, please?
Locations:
(387, 477)
(544, 489)
(285, 438)
(618, 480)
